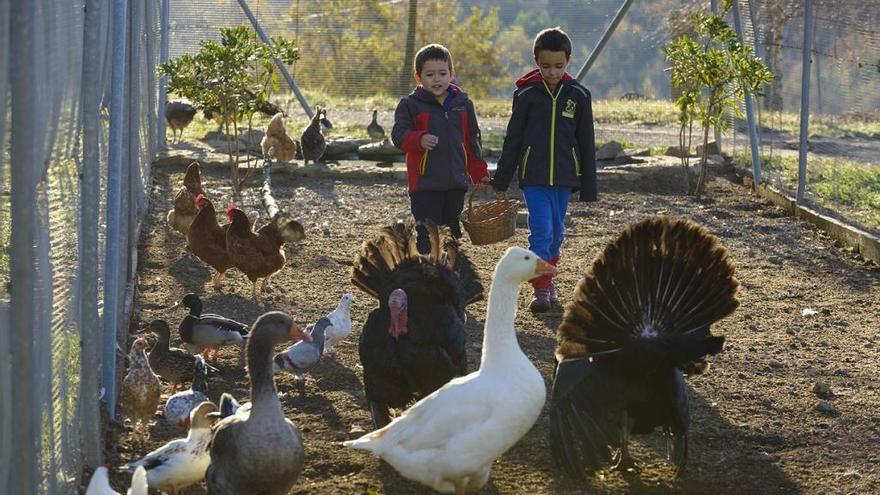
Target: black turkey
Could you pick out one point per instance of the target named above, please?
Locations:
(414, 342)
(638, 318)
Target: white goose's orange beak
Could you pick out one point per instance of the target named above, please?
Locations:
(543, 268)
(296, 333)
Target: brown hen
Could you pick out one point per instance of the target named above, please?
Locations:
(181, 216)
(258, 254)
(207, 239)
(276, 136)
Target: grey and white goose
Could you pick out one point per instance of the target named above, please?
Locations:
(260, 452)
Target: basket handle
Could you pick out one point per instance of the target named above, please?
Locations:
(502, 195)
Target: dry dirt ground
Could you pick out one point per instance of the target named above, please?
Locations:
(758, 426)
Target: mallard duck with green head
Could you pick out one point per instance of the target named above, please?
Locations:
(205, 332)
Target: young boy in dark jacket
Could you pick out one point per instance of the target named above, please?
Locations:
(436, 126)
(550, 147)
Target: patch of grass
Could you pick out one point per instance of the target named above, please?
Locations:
(834, 182)
(657, 150)
(647, 112)
(857, 124)
(624, 143)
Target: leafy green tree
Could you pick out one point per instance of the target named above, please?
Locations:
(357, 47)
(233, 78)
(471, 40)
(713, 70)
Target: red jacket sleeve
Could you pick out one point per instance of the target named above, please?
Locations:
(408, 128)
(477, 168)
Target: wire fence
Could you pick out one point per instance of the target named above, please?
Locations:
(843, 142)
(79, 126)
(78, 119)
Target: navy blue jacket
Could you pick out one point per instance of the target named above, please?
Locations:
(550, 140)
(457, 160)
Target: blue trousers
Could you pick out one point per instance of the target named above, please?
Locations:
(547, 206)
(441, 207)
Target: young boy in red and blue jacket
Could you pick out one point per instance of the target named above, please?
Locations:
(550, 147)
(436, 126)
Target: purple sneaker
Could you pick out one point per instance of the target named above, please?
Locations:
(541, 301)
(554, 294)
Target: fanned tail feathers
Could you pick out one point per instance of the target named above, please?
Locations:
(655, 289)
(458, 262)
(379, 257)
(642, 310)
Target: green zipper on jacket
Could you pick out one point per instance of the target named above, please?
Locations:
(577, 164)
(552, 123)
(524, 161)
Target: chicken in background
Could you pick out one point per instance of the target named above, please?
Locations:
(181, 216)
(312, 139)
(639, 315)
(178, 115)
(141, 389)
(415, 341)
(258, 254)
(374, 130)
(276, 137)
(218, 117)
(266, 108)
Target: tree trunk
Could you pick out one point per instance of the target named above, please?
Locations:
(685, 160)
(409, 53)
(704, 163)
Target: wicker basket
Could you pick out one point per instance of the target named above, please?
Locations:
(491, 222)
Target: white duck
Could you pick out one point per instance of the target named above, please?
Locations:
(182, 462)
(340, 324)
(177, 409)
(449, 439)
(139, 484)
(100, 483)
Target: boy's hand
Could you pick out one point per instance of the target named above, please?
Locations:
(482, 184)
(428, 141)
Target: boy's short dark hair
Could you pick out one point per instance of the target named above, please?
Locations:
(554, 40)
(433, 51)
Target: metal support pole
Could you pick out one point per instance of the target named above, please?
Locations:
(163, 81)
(112, 285)
(750, 106)
(90, 432)
(713, 6)
(805, 99)
(602, 41)
(279, 63)
(23, 151)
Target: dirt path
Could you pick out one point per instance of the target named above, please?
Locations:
(755, 425)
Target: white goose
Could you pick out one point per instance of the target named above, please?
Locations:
(449, 439)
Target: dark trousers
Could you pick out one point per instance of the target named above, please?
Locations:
(441, 207)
